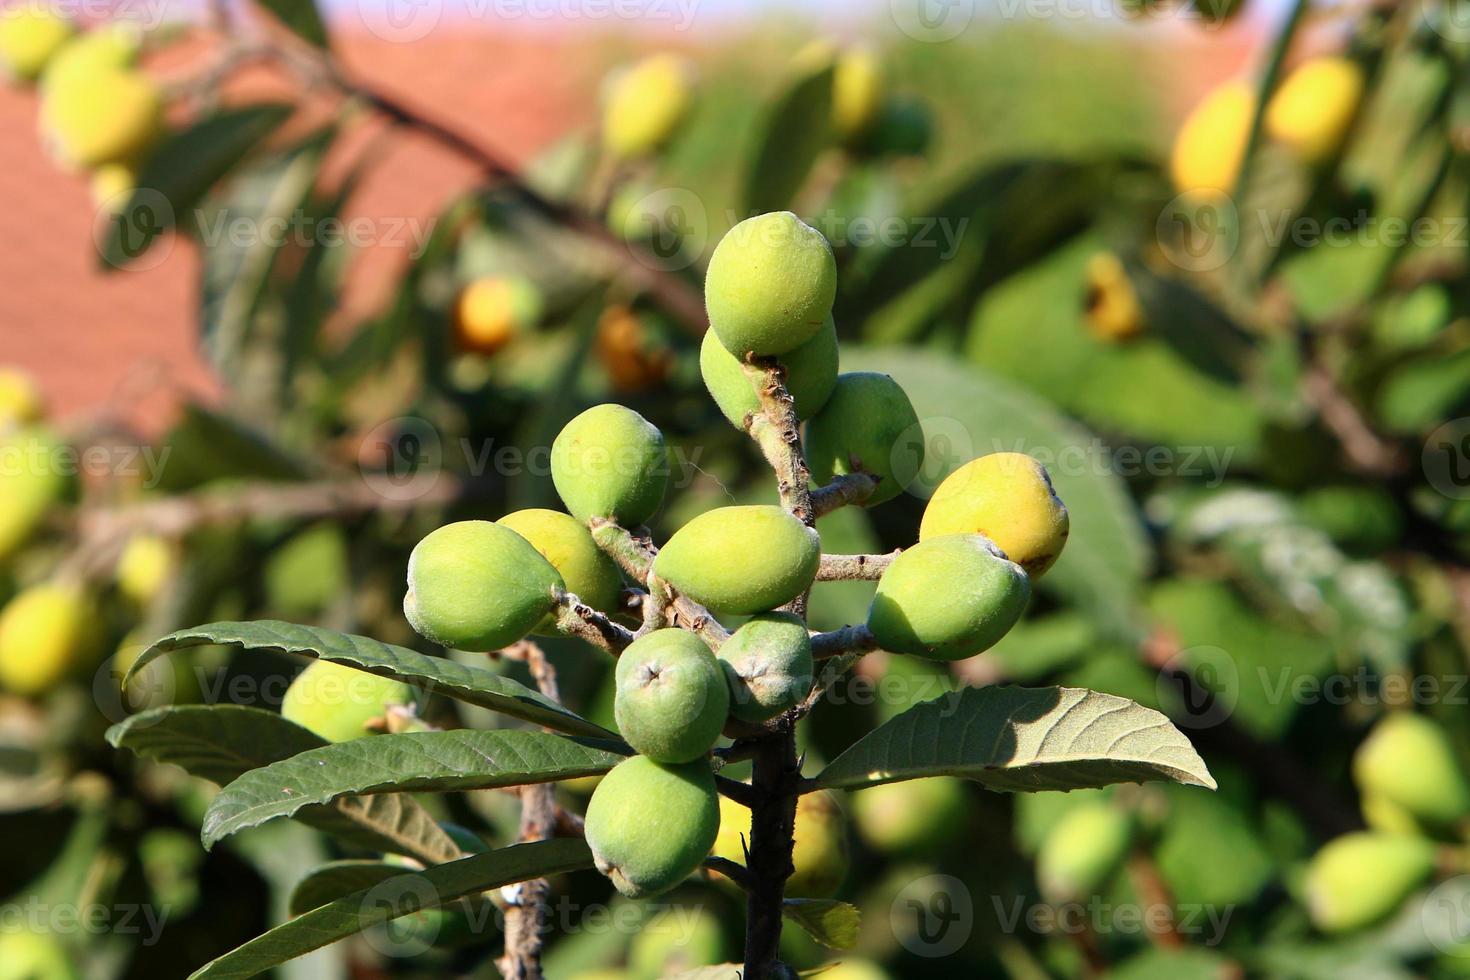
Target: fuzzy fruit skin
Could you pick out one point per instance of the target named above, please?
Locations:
(948, 598)
(644, 104)
(1083, 851)
(674, 942)
(474, 585)
(648, 849)
(1008, 498)
(611, 462)
(29, 485)
(1408, 761)
(1312, 109)
(913, 816)
(741, 560)
(30, 36)
(1211, 144)
(671, 700)
(857, 93)
(867, 426)
(811, 375)
(820, 856)
(113, 117)
(46, 635)
(144, 567)
(20, 400)
(1361, 878)
(336, 701)
(567, 544)
(1112, 307)
(489, 313)
(770, 285)
(768, 663)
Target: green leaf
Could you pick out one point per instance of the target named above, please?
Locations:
(474, 685)
(833, 924)
(221, 743)
(180, 172)
(797, 130)
(396, 897)
(1015, 738)
(967, 413)
(206, 447)
(409, 763)
(334, 880)
(302, 17)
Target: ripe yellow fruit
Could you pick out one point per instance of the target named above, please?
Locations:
(820, 855)
(857, 93)
(1112, 308)
(1408, 763)
(30, 36)
(31, 482)
(20, 399)
(644, 104)
(492, 311)
(1008, 498)
(1211, 144)
(46, 633)
(634, 358)
(144, 567)
(1361, 878)
(112, 117)
(1311, 110)
(567, 544)
(112, 183)
(337, 702)
(92, 55)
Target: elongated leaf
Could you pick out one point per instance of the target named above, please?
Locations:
(1016, 738)
(302, 17)
(395, 897)
(833, 924)
(222, 742)
(414, 762)
(796, 132)
(180, 172)
(473, 685)
(334, 880)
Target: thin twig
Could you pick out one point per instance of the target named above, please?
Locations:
(736, 790)
(847, 490)
(730, 869)
(576, 618)
(849, 639)
(635, 555)
(854, 568)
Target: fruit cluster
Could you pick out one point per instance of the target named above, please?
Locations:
(770, 360)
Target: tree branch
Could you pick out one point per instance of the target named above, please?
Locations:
(576, 618)
(849, 639)
(730, 869)
(634, 554)
(846, 490)
(854, 568)
(778, 433)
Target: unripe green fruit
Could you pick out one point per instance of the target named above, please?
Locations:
(474, 585)
(47, 633)
(30, 484)
(309, 571)
(867, 426)
(811, 374)
(948, 598)
(1408, 761)
(30, 36)
(567, 544)
(1008, 498)
(1387, 817)
(337, 702)
(770, 286)
(33, 956)
(671, 700)
(644, 104)
(1359, 879)
(820, 853)
(650, 826)
(611, 462)
(768, 663)
(675, 941)
(741, 560)
(92, 56)
(112, 117)
(911, 816)
(1083, 850)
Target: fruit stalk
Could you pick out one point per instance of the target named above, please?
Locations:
(844, 491)
(635, 556)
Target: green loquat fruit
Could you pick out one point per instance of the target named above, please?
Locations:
(144, 567)
(1008, 498)
(644, 104)
(1210, 145)
(675, 941)
(1361, 878)
(46, 635)
(912, 816)
(820, 855)
(1311, 110)
(610, 462)
(672, 700)
(1085, 848)
(647, 850)
(30, 36)
(26, 955)
(741, 560)
(948, 598)
(770, 285)
(30, 484)
(811, 374)
(114, 117)
(337, 702)
(867, 426)
(474, 585)
(768, 662)
(566, 543)
(1408, 761)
